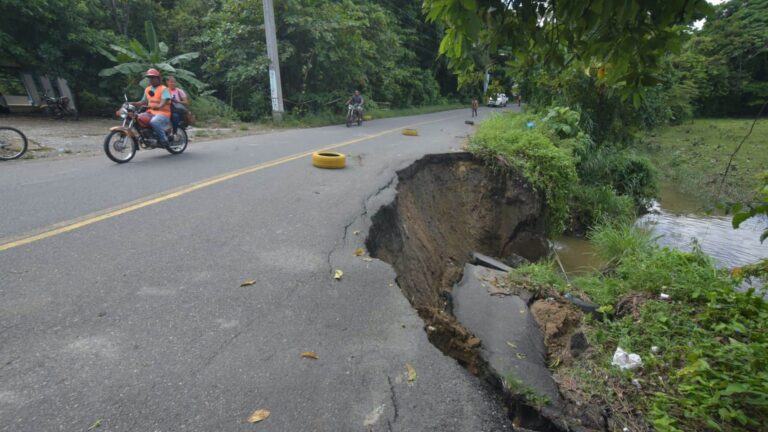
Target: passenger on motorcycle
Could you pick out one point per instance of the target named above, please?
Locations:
(357, 101)
(158, 98)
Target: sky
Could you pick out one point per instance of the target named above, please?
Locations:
(700, 23)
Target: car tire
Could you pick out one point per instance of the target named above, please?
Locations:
(329, 160)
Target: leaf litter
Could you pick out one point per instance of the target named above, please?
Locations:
(310, 355)
(258, 416)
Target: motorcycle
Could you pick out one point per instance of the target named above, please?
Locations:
(354, 114)
(59, 107)
(122, 142)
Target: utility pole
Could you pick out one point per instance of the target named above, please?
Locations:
(275, 84)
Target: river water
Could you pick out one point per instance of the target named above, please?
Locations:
(679, 221)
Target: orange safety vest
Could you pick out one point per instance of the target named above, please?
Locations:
(156, 100)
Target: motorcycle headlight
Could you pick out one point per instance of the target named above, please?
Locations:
(123, 112)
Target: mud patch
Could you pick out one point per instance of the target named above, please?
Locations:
(559, 322)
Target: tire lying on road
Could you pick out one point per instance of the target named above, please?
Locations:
(329, 160)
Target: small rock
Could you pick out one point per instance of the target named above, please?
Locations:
(636, 383)
(578, 344)
(515, 261)
(655, 349)
(486, 261)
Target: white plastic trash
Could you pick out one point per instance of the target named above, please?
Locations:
(625, 360)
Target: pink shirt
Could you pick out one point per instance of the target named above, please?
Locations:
(178, 94)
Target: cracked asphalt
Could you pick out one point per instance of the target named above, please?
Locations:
(137, 321)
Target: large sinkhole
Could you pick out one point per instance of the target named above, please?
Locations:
(448, 206)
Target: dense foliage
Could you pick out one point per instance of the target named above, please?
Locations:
(582, 183)
(328, 48)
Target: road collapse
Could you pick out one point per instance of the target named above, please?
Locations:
(450, 215)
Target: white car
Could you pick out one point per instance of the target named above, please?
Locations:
(499, 101)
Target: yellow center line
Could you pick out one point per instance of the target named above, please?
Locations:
(74, 224)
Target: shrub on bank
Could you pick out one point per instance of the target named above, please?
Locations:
(592, 204)
(546, 147)
(625, 172)
(515, 141)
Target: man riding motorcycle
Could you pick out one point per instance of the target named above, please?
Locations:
(357, 101)
(158, 98)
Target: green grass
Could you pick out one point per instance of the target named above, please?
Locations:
(704, 349)
(694, 156)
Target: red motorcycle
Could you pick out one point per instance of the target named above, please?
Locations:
(122, 142)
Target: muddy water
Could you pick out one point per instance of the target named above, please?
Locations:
(679, 221)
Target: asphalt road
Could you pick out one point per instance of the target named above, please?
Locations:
(121, 306)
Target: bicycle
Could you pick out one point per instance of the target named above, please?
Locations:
(13, 143)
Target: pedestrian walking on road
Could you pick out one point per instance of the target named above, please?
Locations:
(475, 105)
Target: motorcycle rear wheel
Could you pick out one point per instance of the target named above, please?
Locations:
(119, 147)
(180, 144)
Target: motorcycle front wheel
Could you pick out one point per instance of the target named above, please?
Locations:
(13, 143)
(119, 147)
(178, 145)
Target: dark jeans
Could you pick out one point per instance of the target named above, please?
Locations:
(176, 118)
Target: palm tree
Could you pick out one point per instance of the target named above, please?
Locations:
(134, 59)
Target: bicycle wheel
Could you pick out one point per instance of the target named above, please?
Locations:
(13, 143)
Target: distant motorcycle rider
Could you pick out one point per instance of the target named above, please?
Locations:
(357, 101)
(158, 98)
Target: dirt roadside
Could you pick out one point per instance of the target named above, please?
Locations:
(50, 138)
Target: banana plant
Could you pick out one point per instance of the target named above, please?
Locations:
(133, 59)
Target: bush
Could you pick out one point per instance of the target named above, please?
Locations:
(91, 104)
(593, 204)
(208, 108)
(625, 172)
(506, 140)
(615, 241)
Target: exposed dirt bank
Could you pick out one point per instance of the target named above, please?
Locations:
(448, 206)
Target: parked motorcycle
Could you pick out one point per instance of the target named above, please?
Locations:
(59, 107)
(354, 114)
(122, 142)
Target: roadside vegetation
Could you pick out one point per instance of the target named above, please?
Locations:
(603, 144)
(217, 50)
(701, 332)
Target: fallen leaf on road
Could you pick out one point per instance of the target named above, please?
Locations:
(258, 416)
(310, 355)
(338, 274)
(367, 259)
(248, 283)
(96, 424)
(359, 252)
(511, 345)
(521, 356)
(411, 372)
